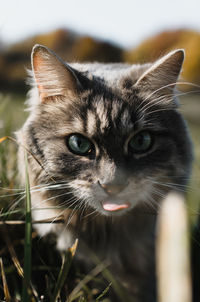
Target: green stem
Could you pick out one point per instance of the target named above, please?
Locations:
(27, 249)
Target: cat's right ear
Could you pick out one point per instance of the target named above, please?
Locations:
(53, 76)
(161, 77)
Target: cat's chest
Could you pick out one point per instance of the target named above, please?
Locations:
(125, 246)
(128, 255)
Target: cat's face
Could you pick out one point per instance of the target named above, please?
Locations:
(112, 147)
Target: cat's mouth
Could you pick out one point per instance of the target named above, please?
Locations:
(112, 206)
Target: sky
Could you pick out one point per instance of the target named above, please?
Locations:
(124, 22)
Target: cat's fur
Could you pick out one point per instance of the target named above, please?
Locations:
(109, 104)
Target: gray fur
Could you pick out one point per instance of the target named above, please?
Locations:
(109, 104)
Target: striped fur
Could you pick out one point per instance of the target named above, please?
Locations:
(108, 104)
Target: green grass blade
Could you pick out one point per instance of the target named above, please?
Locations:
(94, 272)
(27, 249)
(82, 299)
(11, 212)
(104, 292)
(64, 270)
(115, 284)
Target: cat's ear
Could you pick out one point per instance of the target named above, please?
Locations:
(162, 76)
(53, 77)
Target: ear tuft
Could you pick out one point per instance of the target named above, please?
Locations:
(53, 76)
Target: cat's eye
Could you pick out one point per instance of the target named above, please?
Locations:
(79, 144)
(141, 142)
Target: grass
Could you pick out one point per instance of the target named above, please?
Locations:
(44, 274)
(190, 107)
(28, 239)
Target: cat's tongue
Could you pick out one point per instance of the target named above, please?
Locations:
(110, 206)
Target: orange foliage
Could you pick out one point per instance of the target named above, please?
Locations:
(73, 47)
(88, 49)
(160, 44)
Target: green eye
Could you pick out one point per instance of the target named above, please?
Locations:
(79, 144)
(141, 142)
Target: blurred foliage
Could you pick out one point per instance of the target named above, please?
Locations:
(70, 46)
(160, 44)
(88, 49)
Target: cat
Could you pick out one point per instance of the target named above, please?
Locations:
(106, 145)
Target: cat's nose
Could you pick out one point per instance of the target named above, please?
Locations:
(113, 189)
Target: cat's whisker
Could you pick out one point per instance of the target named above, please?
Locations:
(169, 97)
(169, 176)
(164, 100)
(155, 111)
(14, 205)
(157, 101)
(11, 189)
(174, 185)
(144, 105)
(64, 205)
(46, 189)
(12, 195)
(171, 85)
(49, 187)
(38, 188)
(48, 199)
(91, 214)
(85, 206)
(73, 201)
(82, 210)
(151, 203)
(67, 220)
(158, 192)
(73, 212)
(183, 93)
(60, 215)
(164, 107)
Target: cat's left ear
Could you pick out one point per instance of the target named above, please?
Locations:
(162, 76)
(53, 76)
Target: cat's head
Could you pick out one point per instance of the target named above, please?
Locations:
(112, 135)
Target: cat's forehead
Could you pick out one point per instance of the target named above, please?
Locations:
(111, 73)
(102, 114)
(107, 115)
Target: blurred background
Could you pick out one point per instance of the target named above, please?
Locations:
(87, 30)
(106, 31)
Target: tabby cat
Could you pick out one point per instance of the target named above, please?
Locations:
(106, 145)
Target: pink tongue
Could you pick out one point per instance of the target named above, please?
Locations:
(115, 207)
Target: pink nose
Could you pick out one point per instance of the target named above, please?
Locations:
(113, 189)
